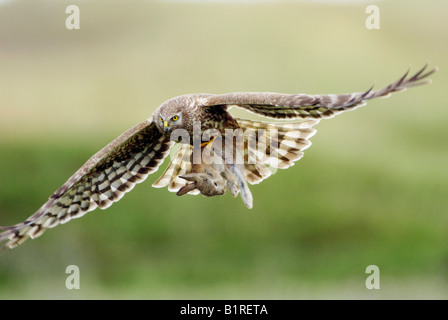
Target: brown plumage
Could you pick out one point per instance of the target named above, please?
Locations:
(204, 163)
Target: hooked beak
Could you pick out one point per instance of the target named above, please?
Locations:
(165, 126)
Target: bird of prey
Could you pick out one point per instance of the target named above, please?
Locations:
(217, 152)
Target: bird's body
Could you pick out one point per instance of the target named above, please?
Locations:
(191, 108)
(217, 152)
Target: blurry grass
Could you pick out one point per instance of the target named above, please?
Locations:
(371, 189)
(313, 226)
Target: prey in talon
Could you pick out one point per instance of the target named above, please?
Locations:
(214, 174)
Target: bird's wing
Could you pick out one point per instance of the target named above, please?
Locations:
(102, 180)
(296, 106)
(271, 146)
(180, 165)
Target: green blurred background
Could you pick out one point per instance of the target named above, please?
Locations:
(372, 190)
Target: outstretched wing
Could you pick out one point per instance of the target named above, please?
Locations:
(102, 180)
(293, 106)
(181, 164)
(277, 145)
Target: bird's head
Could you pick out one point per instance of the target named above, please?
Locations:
(172, 118)
(167, 122)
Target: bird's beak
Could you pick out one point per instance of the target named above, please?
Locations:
(165, 126)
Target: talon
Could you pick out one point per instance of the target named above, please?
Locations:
(207, 143)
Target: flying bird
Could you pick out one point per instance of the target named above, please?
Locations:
(216, 152)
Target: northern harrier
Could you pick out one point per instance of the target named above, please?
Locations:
(217, 152)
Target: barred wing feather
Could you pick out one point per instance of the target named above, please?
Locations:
(103, 180)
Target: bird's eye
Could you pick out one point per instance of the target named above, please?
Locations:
(175, 118)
